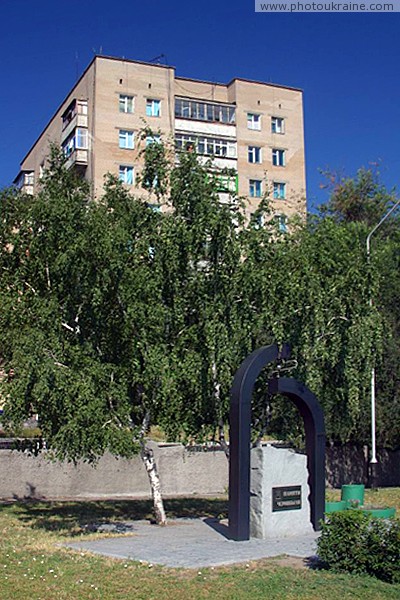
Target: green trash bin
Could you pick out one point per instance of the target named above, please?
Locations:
(382, 513)
(353, 495)
(338, 506)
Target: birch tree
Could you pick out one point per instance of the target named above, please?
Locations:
(81, 322)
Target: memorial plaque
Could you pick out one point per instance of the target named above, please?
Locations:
(286, 498)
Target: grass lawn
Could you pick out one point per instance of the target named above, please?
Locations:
(34, 567)
(382, 497)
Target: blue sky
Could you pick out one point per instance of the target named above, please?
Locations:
(347, 65)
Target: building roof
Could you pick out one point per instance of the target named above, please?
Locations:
(151, 64)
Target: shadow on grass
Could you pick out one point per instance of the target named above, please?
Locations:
(79, 518)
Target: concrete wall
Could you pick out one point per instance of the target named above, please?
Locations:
(348, 464)
(182, 472)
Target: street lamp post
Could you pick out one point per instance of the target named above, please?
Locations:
(374, 460)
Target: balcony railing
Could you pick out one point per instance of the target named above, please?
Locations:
(77, 157)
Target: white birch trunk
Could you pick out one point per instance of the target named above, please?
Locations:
(217, 396)
(222, 440)
(147, 456)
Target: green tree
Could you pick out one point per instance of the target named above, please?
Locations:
(360, 199)
(199, 253)
(363, 200)
(83, 324)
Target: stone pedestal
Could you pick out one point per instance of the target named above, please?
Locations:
(279, 505)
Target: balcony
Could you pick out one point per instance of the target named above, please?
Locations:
(75, 148)
(25, 182)
(210, 112)
(75, 116)
(76, 121)
(78, 158)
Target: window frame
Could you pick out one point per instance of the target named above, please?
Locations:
(278, 157)
(129, 133)
(282, 222)
(274, 122)
(279, 190)
(254, 155)
(150, 105)
(153, 139)
(81, 133)
(29, 178)
(128, 107)
(123, 170)
(207, 145)
(255, 188)
(210, 112)
(254, 124)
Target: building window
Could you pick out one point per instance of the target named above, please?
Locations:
(278, 157)
(277, 125)
(255, 188)
(25, 178)
(126, 139)
(81, 138)
(209, 146)
(152, 139)
(153, 108)
(77, 141)
(82, 107)
(126, 104)
(69, 146)
(254, 154)
(253, 121)
(281, 221)
(279, 190)
(204, 111)
(29, 178)
(126, 174)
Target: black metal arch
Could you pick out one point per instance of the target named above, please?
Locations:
(240, 438)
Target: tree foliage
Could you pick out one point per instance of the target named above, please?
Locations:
(359, 199)
(113, 313)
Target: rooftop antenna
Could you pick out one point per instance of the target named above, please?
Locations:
(77, 65)
(159, 60)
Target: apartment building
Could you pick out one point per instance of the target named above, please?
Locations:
(252, 130)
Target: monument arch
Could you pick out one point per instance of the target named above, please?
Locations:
(240, 438)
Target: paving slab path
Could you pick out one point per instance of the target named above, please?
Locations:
(192, 543)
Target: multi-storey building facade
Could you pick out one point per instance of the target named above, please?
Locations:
(250, 129)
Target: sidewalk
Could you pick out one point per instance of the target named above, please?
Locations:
(192, 543)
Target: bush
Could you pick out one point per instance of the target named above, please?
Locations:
(383, 546)
(354, 542)
(342, 545)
